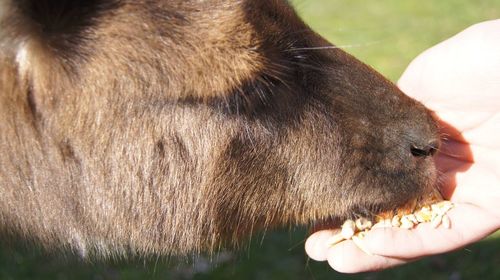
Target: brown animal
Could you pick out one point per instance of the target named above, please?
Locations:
(174, 127)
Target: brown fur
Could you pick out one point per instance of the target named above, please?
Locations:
(172, 127)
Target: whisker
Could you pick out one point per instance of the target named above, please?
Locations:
(314, 48)
(336, 47)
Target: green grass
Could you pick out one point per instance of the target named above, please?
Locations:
(279, 256)
(386, 34)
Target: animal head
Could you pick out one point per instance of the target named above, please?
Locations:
(172, 126)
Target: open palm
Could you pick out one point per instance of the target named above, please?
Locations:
(459, 80)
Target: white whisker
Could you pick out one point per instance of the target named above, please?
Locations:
(335, 47)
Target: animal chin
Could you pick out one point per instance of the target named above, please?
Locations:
(382, 210)
(426, 193)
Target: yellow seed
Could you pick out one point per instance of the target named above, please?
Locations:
(423, 216)
(443, 203)
(348, 229)
(406, 223)
(396, 221)
(442, 207)
(355, 230)
(412, 219)
(361, 235)
(420, 218)
(426, 209)
(363, 224)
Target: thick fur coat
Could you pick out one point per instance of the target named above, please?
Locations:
(174, 127)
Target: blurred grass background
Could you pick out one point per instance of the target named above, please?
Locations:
(386, 34)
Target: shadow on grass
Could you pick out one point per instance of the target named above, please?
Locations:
(279, 256)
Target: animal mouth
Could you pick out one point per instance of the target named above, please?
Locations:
(381, 212)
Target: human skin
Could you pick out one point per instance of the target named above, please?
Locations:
(459, 80)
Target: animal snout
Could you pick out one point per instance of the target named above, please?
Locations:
(421, 138)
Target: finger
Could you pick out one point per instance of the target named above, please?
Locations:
(317, 244)
(477, 186)
(346, 257)
(469, 224)
(456, 151)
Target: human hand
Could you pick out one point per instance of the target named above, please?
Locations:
(459, 80)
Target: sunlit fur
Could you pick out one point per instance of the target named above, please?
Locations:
(173, 127)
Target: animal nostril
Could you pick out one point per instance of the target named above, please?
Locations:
(426, 151)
